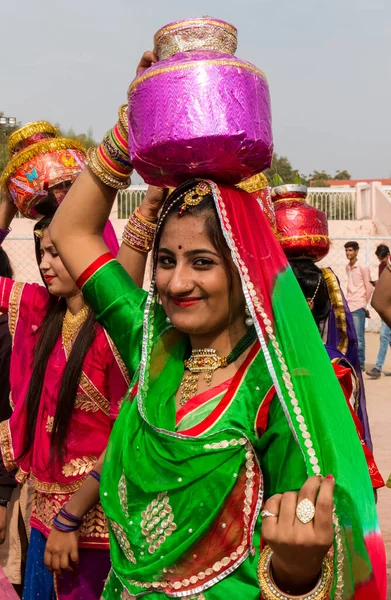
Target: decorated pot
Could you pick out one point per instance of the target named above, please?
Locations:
(302, 230)
(41, 169)
(199, 111)
(259, 187)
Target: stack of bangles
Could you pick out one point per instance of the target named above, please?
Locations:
(74, 523)
(110, 160)
(3, 234)
(270, 591)
(139, 232)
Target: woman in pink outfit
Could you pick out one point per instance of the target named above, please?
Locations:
(67, 383)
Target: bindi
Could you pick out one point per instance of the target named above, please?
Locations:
(179, 247)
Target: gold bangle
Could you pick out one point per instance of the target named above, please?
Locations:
(270, 591)
(104, 176)
(123, 119)
(150, 224)
(388, 263)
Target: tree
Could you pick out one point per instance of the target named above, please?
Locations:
(319, 179)
(84, 138)
(282, 166)
(341, 175)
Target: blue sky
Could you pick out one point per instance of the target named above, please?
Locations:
(328, 66)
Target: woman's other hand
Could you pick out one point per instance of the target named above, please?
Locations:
(3, 524)
(61, 552)
(298, 548)
(148, 59)
(153, 202)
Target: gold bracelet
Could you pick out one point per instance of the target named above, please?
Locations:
(388, 263)
(123, 119)
(102, 174)
(139, 233)
(270, 591)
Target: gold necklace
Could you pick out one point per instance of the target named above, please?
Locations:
(204, 361)
(71, 325)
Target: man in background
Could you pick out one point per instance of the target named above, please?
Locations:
(359, 292)
(382, 252)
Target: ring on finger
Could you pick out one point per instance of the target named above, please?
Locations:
(267, 513)
(305, 511)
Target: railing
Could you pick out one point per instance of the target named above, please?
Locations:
(128, 200)
(339, 204)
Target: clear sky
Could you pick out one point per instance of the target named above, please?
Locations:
(328, 64)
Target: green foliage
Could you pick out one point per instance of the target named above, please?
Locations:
(277, 180)
(84, 138)
(342, 175)
(282, 171)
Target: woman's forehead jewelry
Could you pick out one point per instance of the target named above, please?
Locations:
(39, 234)
(195, 196)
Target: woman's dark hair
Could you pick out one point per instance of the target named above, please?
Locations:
(47, 335)
(309, 276)
(5, 265)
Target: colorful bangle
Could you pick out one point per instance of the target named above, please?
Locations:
(69, 517)
(110, 160)
(60, 526)
(3, 234)
(95, 475)
(270, 591)
(139, 233)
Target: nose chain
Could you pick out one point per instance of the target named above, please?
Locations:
(206, 361)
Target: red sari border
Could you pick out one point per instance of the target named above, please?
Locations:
(93, 268)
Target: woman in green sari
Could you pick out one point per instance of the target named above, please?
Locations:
(233, 407)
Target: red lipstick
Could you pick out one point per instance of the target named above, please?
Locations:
(48, 278)
(185, 302)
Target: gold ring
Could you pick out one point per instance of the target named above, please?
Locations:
(305, 511)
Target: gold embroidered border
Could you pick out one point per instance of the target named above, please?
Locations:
(94, 394)
(199, 63)
(6, 446)
(118, 359)
(336, 300)
(14, 302)
(56, 488)
(21, 476)
(79, 466)
(83, 402)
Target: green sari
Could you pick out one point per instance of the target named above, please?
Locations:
(183, 504)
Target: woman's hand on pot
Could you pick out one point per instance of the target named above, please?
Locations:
(299, 548)
(153, 202)
(148, 59)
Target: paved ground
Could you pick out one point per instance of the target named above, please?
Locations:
(379, 409)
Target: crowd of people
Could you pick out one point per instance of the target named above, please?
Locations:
(206, 438)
